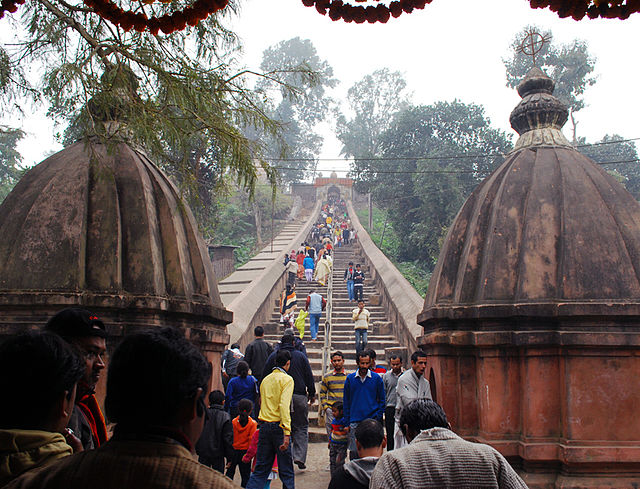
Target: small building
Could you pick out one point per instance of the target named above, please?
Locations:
(223, 260)
(532, 317)
(103, 228)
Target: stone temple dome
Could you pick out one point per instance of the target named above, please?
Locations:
(549, 233)
(104, 228)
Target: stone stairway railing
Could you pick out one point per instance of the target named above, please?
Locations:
(254, 305)
(401, 301)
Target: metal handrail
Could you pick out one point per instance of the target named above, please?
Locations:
(326, 348)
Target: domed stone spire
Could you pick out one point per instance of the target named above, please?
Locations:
(539, 116)
(532, 317)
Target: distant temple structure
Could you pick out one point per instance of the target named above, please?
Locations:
(532, 317)
(323, 187)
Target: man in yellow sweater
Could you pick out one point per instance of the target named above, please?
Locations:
(276, 392)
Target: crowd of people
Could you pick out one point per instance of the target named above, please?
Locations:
(53, 433)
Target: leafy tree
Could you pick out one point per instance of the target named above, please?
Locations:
(570, 65)
(302, 78)
(10, 159)
(181, 97)
(432, 157)
(624, 156)
(373, 100)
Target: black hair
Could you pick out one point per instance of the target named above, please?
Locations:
(423, 414)
(339, 405)
(417, 354)
(350, 263)
(393, 356)
(245, 406)
(287, 339)
(337, 354)
(360, 354)
(158, 368)
(357, 264)
(35, 369)
(372, 354)
(234, 345)
(242, 369)
(258, 331)
(282, 357)
(369, 433)
(216, 398)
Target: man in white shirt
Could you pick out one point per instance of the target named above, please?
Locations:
(360, 317)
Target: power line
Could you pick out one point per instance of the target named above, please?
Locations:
(414, 172)
(455, 157)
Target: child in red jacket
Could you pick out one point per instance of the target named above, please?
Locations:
(244, 426)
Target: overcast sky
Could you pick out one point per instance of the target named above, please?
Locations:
(451, 49)
(454, 49)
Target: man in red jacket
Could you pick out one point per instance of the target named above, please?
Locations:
(87, 334)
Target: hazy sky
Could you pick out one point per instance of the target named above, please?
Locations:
(454, 49)
(451, 49)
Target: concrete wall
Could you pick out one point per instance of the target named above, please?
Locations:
(254, 306)
(401, 300)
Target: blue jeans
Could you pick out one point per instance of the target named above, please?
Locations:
(314, 321)
(350, 291)
(361, 339)
(269, 441)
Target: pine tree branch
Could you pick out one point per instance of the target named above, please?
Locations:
(93, 42)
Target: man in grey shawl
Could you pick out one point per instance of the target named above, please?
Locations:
(437, 458)
(412, 385)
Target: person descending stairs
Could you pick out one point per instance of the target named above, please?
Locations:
(342, 337)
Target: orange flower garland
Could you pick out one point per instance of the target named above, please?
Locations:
(9, 6)
(578, 9)
(337, 9)
(177, 21)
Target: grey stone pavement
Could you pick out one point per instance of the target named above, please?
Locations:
(315, 476)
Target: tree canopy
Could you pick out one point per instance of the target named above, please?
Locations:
(300, 78)
(570, 65)
(373, 101)
(182, 97)
(10, 159)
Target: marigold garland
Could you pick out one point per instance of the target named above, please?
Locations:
(176, 21)
(9, 6)
(578, 9)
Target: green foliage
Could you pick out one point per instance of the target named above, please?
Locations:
(236, 219)
(10, 158)
(373, 100)
(570, 65)
(178, 96)
(613, 148)
(388, 241)
(294, 69)
(429, 166)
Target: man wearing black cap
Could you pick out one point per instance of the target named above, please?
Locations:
(87, 334)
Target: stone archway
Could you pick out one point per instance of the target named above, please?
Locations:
(333, 193)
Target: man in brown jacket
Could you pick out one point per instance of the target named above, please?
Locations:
(155, 391)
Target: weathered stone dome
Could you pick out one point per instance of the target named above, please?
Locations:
(103, 227)
(549, 233)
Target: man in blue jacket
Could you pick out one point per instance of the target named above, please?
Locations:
(304, 392)
(364, 398)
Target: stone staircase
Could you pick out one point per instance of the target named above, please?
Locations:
(342, 338)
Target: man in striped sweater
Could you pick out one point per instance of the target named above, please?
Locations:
(332, 387)
(438, 458)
